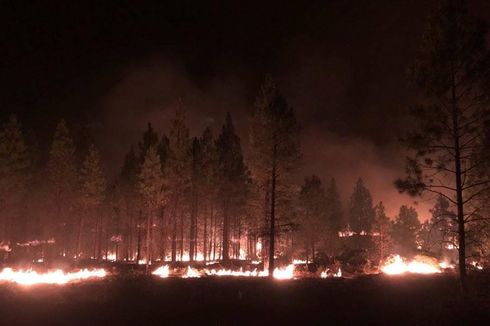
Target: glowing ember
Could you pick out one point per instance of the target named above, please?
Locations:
(399, 266)
(162, 271)
(57, 277)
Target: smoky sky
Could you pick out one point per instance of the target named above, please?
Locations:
(109, 68)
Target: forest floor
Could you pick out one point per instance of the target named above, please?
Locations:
(141, 300)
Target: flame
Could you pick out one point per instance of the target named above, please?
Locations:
(5, 246)
(162, 271)
(446, 265)
(57, 277)
(399, 266)
(111, 256)
(324, 274)
(476, 265)
(224, 272)
(191, 273)
(285, 273)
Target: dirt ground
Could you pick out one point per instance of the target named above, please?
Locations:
(369, 300)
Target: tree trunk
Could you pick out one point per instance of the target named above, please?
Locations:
(79, 240)
(459, 188)
(182, 236)
(101, 227)
(174, 231)
(148, 238)
(273, 212)
(138, 245)
(193, 227)
(164, 233)
(205, 235)
(129, 236)
(225, 240)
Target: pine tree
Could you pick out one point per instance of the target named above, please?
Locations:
(334, 207)
(14, 177)
(128, 181)
(361, 213)
(274, 138)
(62, 176)
(442, 226)
(207, 184)
(381, 233)
(405, 230)
(232, 179)
(178, 175)
(452, 72)
(314, 223)
(92, 188)
(150, 138)
(151, 189)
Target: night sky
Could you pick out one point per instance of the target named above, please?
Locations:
(111, 69)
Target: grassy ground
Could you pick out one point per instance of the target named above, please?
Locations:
(366, 300)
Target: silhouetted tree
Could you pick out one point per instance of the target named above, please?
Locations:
(92, 188)
(381, 233)
(232, 179)
(62, 177)
(361, 213)
(178, 175)
(14, 177)
(405, 229)
(314, 223)
(275, 145)
(452, 71)
(151, 189)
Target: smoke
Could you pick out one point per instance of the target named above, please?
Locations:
(151, 91)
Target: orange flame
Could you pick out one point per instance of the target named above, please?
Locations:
(57, 277)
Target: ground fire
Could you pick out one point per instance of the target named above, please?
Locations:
(56, 277)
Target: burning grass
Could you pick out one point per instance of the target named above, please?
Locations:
(419, 265)
(372, 299)
(56, 277)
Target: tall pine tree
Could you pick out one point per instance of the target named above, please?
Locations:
(62, 177)
(274, 138)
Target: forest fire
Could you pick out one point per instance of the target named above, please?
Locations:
(398, 265)
(283, 273)
(280, 273)
(57, 277)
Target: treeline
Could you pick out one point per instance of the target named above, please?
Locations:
(176, 197)
(179, 197)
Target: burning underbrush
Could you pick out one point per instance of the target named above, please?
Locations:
(53, 277)
(296, 270)
(59, 273)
